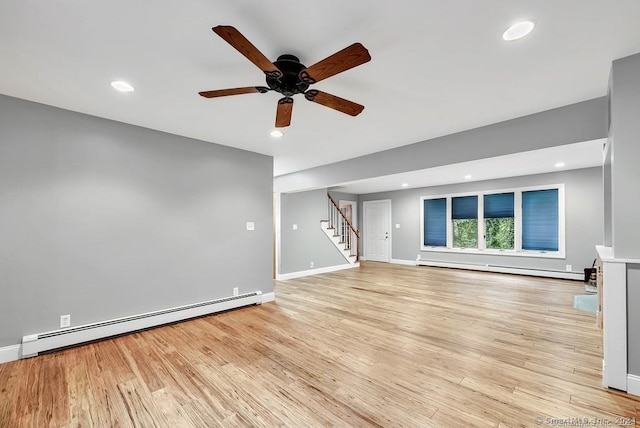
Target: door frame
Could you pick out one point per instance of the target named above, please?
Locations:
(365, 204)
(354, 211)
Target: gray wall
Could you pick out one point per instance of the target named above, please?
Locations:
(99, 219)
(575, 123)
(298, 248)
(337, 196)
(608, 197)
(624, 138)
(583, 219)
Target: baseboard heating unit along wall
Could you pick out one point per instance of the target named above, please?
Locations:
(34, 343)
(547, 273)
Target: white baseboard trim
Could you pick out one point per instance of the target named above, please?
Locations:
(504, 269)
(302, 273)
(9, 353)
(633, 384)
(404, 262)
(268, 297)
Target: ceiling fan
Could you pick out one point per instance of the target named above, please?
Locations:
(289, 77)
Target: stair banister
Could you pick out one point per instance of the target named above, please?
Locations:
(343, 228)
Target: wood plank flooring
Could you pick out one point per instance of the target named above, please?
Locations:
(382, 345)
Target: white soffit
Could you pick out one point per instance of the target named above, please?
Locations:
(575, 156)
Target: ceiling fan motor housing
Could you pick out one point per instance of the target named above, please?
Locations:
(290, 83)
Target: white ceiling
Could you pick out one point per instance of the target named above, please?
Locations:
(437, 67)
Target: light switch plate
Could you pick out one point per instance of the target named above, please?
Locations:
(251, 225)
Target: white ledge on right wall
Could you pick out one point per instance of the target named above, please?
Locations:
(606, 255)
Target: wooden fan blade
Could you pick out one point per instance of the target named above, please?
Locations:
(336, 103)
(244, 46)
(283, 114)
(347, 58)
(234, 91)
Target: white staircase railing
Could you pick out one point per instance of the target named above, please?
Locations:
(343, 229)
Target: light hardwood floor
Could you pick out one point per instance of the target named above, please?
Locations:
(382, 345)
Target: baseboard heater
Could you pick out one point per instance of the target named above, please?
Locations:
(34, 343)
(548, 273)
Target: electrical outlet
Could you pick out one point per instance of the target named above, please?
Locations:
(65, 321)
(569, 268)
(311, 264)
(235, 291)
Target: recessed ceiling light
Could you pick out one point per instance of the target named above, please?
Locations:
(277, 134)
(518, 30)
(467, 177)
(405, 184)
(122, 86)
(559, 164)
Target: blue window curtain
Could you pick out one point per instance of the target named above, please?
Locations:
(540, 220)
(499, 205)
(464, 207)
(435, 222)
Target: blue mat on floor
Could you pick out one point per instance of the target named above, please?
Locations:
(587, 303)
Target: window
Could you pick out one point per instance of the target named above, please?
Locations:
(540, 220)
(499, 221)
(435, 220)
(464, 213)
(522, 222)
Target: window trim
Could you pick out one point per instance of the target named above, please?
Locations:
(517, 241)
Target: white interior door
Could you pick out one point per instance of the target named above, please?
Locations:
(377, 229)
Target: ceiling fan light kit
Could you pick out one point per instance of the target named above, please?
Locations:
(289, 77)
